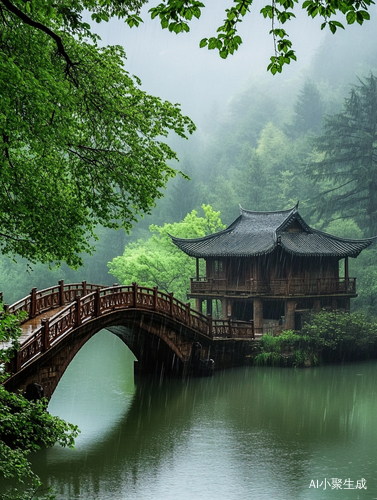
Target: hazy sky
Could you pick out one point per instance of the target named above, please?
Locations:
(175, 68)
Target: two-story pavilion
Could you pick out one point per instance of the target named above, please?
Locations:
(272, 268)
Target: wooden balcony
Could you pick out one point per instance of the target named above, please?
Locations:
(278, 287)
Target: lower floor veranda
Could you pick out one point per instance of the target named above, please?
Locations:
(271, 314)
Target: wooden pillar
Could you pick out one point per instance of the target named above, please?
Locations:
(78, 310)
(171, 303)
(197, 269)
(155, 298)
(210, 328)
(18, 361)
(45, 335)
(33, 302)
(209, 306)
(346, 270)
(290, 307)
(97, 303)
(224, 308)
(61, 292)
(134, 294)
(348, 304)
(198, 304)
(346, 274)
(258, 316)
(188, 313)
(229, 308)
(316, 305)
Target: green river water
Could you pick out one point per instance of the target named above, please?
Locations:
(244, 434)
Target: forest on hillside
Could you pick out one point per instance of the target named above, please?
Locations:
(310, 138)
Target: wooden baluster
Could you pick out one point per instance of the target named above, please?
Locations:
(78, 310)
(134, 293)
(210, 321)
(97, 303)
(346, 273)
(18, 361)
(45, 334)
(188, 313)
(117, 299)
(61, 293)
(171, 295)
(83, 293)
(33, 302)
(155, 298)
(230, 326)
(11, 365)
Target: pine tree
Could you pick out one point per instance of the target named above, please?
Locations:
(308, 112)
(347, 164)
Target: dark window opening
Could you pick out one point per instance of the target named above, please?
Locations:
(273, 309)
(242, 310)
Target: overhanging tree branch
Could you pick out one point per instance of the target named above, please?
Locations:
(35, 24)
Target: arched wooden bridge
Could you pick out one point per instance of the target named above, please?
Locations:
(165, 334)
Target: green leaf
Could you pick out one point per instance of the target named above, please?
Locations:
(351, 17)
(212, 44)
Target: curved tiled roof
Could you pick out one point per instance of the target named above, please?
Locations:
(259, 233)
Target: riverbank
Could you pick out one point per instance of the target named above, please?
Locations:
(329, 337)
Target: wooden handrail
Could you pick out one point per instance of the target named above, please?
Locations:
(279, 287)
(49, 298)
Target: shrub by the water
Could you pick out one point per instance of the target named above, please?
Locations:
(328, 337)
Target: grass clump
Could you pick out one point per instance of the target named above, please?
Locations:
(329, 337)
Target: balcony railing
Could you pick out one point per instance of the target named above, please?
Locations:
(295, 286)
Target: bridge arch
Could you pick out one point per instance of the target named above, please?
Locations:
(159, 345)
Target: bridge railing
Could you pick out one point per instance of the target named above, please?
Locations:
(85, 306)
(40, 301)
(233, 329)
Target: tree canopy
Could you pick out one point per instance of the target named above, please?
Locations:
(156, 261)
(80, 143)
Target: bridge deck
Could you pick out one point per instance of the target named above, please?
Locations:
(30, 326)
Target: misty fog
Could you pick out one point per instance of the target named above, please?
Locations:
(250, 147)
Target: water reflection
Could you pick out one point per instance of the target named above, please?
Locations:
(243, 434)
